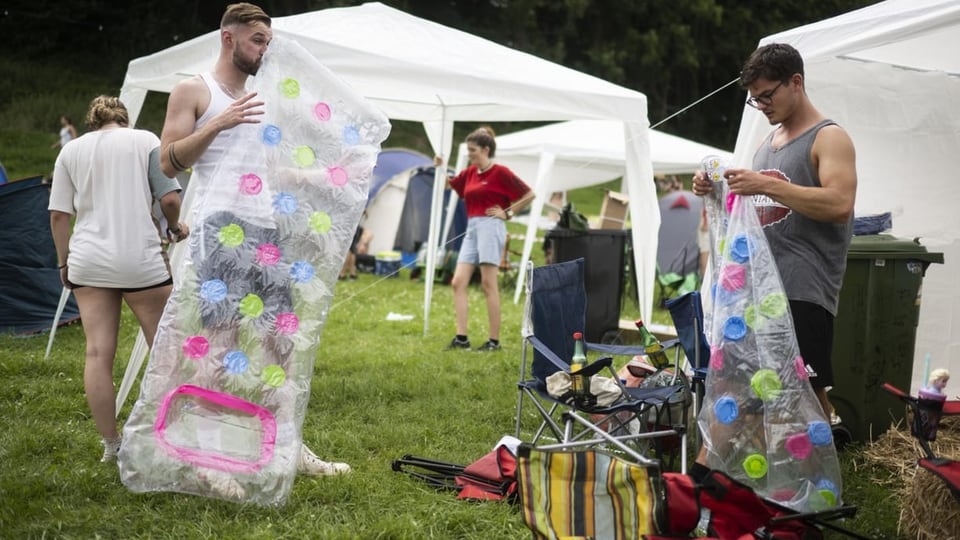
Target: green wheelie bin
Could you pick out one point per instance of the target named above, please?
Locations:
(875, 331)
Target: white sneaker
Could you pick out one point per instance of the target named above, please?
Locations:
(309, 464)
(111, 447)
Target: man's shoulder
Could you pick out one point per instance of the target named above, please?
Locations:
(192, 86)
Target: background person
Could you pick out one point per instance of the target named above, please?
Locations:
(804, 181)
(67, 132)
(114, 253)
(202, 112)
(492, 195)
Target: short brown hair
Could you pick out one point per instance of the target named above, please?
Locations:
(483, 137)
(243, 13)
(774, 62)
(106, 109)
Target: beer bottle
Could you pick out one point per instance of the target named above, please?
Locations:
(579, 384)
(652, 347)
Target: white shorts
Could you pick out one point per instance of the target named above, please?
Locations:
(484, 241)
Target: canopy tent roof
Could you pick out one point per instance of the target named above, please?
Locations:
(888, 74)
(580, 153)
(414, 69)
(588, 152)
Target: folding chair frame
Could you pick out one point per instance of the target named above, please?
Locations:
(571, 425)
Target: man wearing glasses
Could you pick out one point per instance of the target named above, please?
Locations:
(803, 183)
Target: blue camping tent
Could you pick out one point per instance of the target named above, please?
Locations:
(29, 280)
(393, 161)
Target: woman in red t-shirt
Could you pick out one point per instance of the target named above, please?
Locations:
(492, 194)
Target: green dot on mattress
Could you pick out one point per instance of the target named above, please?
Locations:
(231, 235)
(320, 222)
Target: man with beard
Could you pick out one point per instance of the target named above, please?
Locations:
(202, 114)
(803, 183)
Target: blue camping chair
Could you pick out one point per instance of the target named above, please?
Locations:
(687, 314)
(555, 309)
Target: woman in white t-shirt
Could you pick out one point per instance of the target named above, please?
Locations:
(114, 252)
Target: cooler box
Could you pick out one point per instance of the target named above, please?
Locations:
(388, 263)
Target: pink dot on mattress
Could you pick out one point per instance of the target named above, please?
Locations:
(733, 277)
(731, 198)
(250, 184)
(196, 347)
(287, 322)
(716, 357)
(268, 254)
(801, 367)
(321, 111)
(338, 176)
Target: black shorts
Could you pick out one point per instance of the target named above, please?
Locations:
(164, 283)
(237, 268)
(814, 327)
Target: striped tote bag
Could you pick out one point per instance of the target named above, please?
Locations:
(588, 494)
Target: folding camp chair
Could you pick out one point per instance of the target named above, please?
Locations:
(923, 426)
(687, 314)
(555, 309)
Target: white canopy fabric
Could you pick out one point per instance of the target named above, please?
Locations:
(414, 69)
(581, 153)
(889, 74)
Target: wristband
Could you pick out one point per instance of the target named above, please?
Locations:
(61, 267)
(509, 213)
(176, 231)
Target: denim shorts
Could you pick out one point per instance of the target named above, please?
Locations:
(484, 241)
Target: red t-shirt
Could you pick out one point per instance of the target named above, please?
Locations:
(496, 186)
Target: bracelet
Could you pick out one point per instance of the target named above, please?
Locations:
(509, 213)
(178, 230)
(61, 267)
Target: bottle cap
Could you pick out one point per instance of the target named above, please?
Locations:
(577, 335)
(755, 466)
(766, 384)
(820, 433)
(726, 409)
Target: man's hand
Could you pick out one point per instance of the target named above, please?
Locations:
(747, 182)
(701, 184)
(242, 111)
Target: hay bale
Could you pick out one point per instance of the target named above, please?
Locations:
(928, 510)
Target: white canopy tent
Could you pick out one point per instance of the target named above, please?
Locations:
(890, 75)
(414, 69)
(580, 153)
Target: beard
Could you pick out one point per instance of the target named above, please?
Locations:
(250, 67)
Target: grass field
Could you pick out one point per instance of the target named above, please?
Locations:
(380, 390)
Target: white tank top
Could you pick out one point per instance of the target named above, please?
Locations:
(219, 101)
(213, 187)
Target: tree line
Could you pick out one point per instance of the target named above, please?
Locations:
(675, 52)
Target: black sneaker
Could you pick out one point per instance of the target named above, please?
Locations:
(458, 344)
(488, 346)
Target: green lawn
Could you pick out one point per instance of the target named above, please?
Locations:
(380, 390)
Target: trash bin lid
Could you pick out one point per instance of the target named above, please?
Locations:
(885, 246)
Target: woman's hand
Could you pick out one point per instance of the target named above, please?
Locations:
(181, 232)
(497, 212)
(701, 184)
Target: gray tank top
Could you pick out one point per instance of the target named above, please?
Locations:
(811, 255)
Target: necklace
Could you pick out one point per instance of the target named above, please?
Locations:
(226, 90)
(482, 170)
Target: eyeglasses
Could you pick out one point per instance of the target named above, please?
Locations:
(765, 98)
